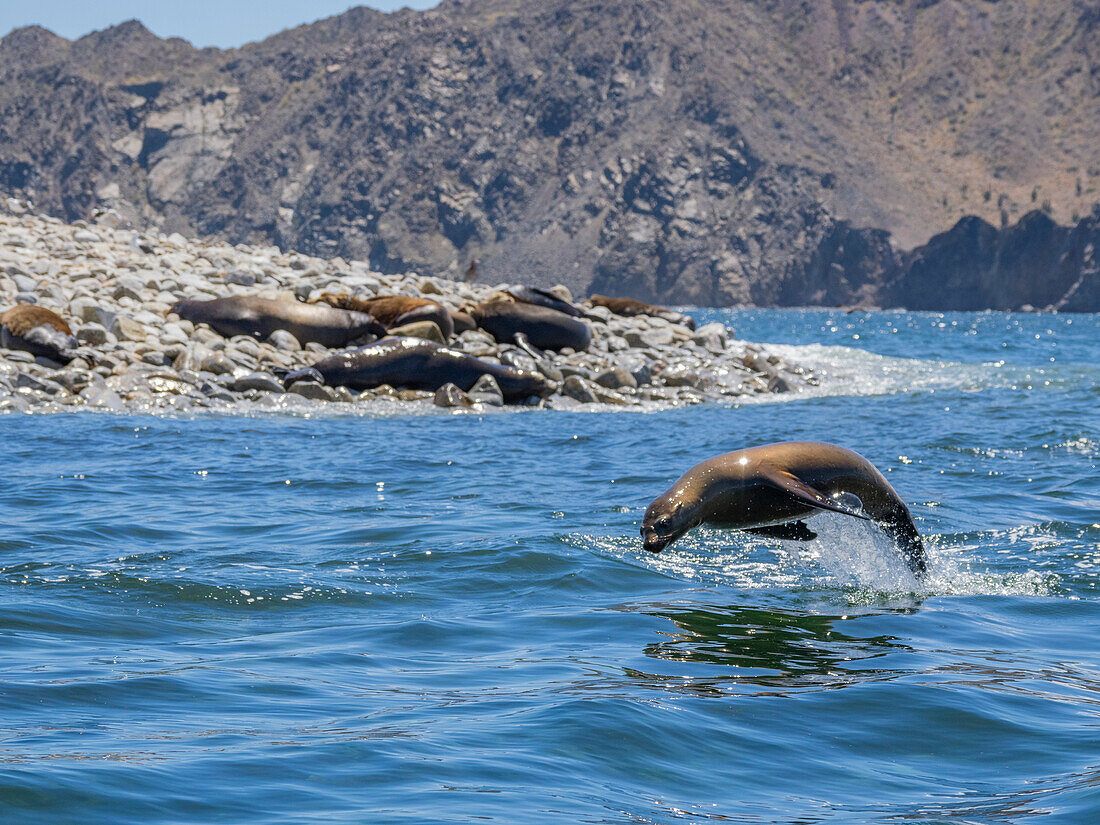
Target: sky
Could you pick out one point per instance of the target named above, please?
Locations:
(222, 23)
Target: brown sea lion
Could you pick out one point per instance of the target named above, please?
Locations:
(394, 310)
(259, 317)
(39, 331)
(768, 490)
(544, 328)
(629, 307)
(416, 364)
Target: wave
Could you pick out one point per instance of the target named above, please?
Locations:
(850, 563)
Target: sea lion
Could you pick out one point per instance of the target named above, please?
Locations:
(259, 317)
(768, 490)
(416, 364)
(542, 298)
(629, 307)
(394, 310)
(544, 328)
(39, 331)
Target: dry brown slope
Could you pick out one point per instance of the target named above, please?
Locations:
(704, 150)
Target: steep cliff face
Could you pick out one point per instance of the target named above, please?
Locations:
(1034, 264)
(706, 151)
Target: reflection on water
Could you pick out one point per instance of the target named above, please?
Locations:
(429, 619)
(748, 648)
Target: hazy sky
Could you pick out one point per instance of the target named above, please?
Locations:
(204, 22)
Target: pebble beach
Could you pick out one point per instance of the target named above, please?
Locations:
(115, 286)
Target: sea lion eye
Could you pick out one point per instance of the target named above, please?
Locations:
(662, 524)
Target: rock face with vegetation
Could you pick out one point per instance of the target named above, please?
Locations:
(711, 152)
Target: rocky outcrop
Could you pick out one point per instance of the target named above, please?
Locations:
(1034, 264)
(136, 348)
(716, 152)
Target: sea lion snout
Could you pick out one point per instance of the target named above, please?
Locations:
(652, 542)
(661, 527)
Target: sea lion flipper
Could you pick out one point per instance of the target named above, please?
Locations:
(791, 531)
(808, 495)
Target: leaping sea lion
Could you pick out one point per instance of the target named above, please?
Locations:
(769, 490)
(259, 317)
(544, 328)
(394, 310)
(39, 331)
(416, 364)
(629, 307)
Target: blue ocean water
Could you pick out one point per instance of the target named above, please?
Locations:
(449, 618)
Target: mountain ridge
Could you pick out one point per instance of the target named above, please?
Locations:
(710, 151)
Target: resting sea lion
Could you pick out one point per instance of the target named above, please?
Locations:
(39, 331)
(259, 317)
(769, 490)
(394, 310)
(416, 364)
(542, 298)
(544, 328)
(630, 307)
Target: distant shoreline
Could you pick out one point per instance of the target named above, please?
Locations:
(114, 287)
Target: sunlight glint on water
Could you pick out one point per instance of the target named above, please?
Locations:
(444, 619)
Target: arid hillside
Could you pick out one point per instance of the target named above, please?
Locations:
(702, 151)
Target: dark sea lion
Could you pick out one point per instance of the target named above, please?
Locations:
(768, 490)
(39, 331)
(542, 298)
(259, 317)
(629, 307)
(394, 310)
(544, 328)
(416, 364)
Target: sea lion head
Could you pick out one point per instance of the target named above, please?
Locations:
(666, 519)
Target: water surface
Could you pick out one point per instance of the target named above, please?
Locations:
(449, 618)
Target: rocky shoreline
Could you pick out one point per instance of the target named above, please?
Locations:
(115, 286)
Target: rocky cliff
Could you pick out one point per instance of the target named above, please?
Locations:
(1034, 264)
(704, 151)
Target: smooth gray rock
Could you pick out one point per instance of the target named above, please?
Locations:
(284, 341)
(650, 338)
(101, 396)
(262, 381)
(15, 402)
(313, 390)
(681, 378)
(578, 389)
(216, 391)
(216, 363)
(128, 288)
(92, 334)
(711, 337)
(451, 396)
(616, 378)
(487, 391)
(428, 330)
(127, 329)
(240, 277)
